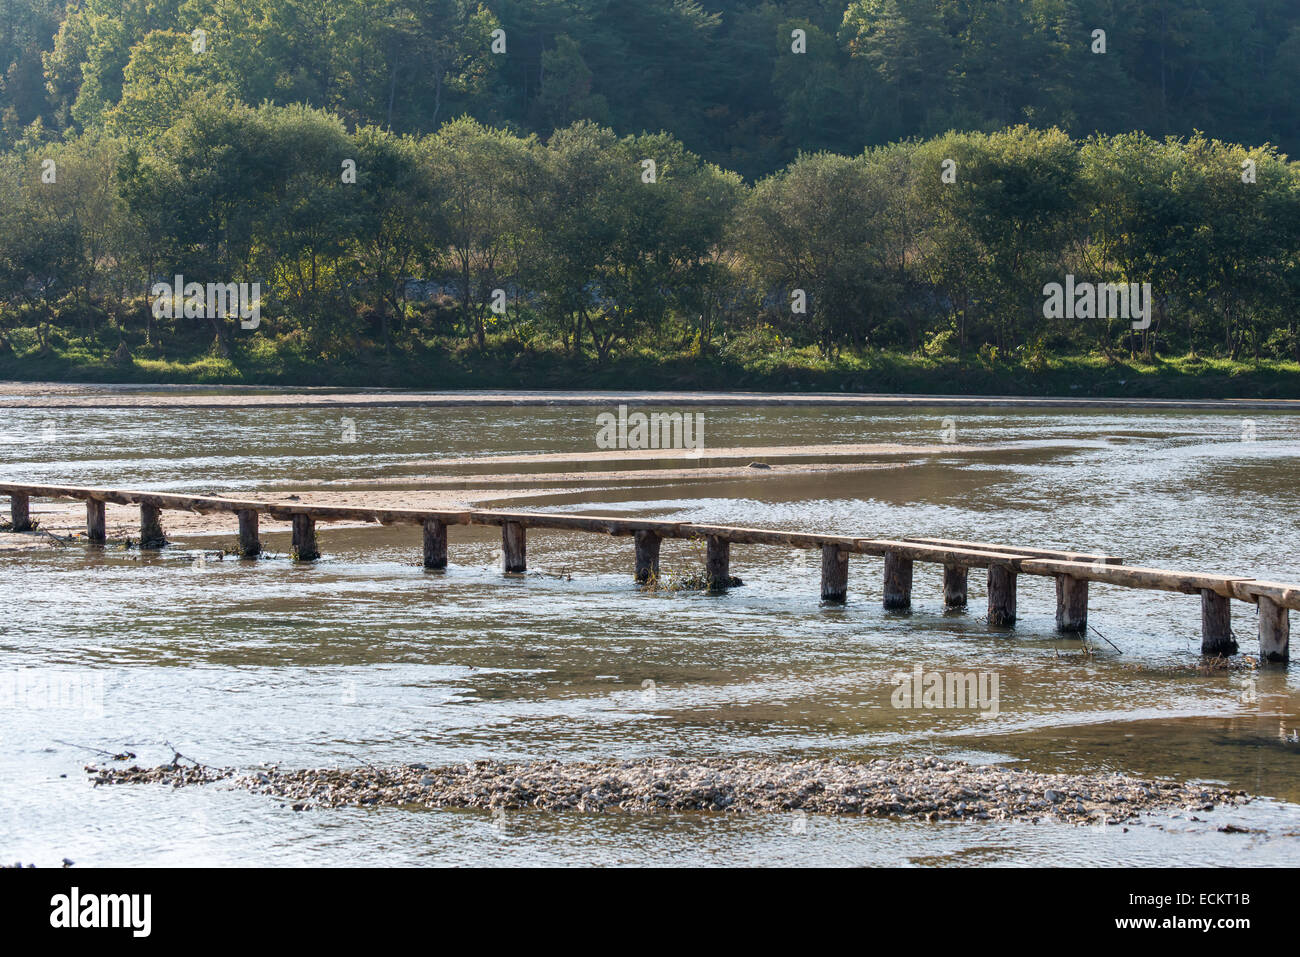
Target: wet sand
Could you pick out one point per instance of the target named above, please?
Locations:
(748, 455)
(486, 485)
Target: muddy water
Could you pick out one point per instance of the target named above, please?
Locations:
(367, 658)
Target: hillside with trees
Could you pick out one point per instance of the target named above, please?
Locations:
(863, 195)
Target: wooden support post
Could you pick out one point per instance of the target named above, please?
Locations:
(835, 574)
(151, 530)
(1274, 631)
(18, 512)
(435, 543)
(1002, 596)
(514, 547)
(898, 581)
(249, 544)
(954, 586)
(717, 563)
(304, 539)
(95, 520)
(647, 556)
(1216, 625)
(1071, 603)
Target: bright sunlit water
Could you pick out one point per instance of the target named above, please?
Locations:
(364, 657)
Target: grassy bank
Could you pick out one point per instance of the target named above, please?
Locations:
(509, 364)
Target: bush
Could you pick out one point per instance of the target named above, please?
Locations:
(941, 343)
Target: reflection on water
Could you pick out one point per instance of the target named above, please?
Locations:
(366, 657)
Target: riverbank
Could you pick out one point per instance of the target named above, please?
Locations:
(926, 788)
(96, 395)
(508, 366)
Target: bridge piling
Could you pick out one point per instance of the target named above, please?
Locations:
(95, 520)
(304, 538)
(19, 512)
(1216, 625)
(1002, 596)
(717, 563)
(514, 547)
(835, 574)
(435, 543)
(249, 544)
(898, 581)
(647, 556)
(1274, 631)
(954, 586)
(151, 530)
(1071, 603)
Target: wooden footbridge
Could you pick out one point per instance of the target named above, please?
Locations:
(1073, 571)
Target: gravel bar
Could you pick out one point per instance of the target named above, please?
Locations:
(926, 788)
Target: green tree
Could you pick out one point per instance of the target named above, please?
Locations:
(162, 75)
(400, 230)
(477, 171)
(569, 203)
(809, 234)
(565, 93)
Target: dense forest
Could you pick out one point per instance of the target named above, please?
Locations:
(605, 182)
(721, 77)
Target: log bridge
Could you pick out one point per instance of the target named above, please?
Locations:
(1073, 571)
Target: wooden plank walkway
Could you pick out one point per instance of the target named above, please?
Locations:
(1072, 570)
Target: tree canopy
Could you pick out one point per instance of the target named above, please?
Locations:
(722, 77)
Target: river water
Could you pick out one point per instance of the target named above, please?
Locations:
(364, 657)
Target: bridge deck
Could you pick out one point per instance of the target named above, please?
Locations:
(1072, 570)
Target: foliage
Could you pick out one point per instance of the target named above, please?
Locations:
(721, 77)
(665, 177)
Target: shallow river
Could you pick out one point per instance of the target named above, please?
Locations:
(364, 657)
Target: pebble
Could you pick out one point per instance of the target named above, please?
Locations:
(922, 789)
